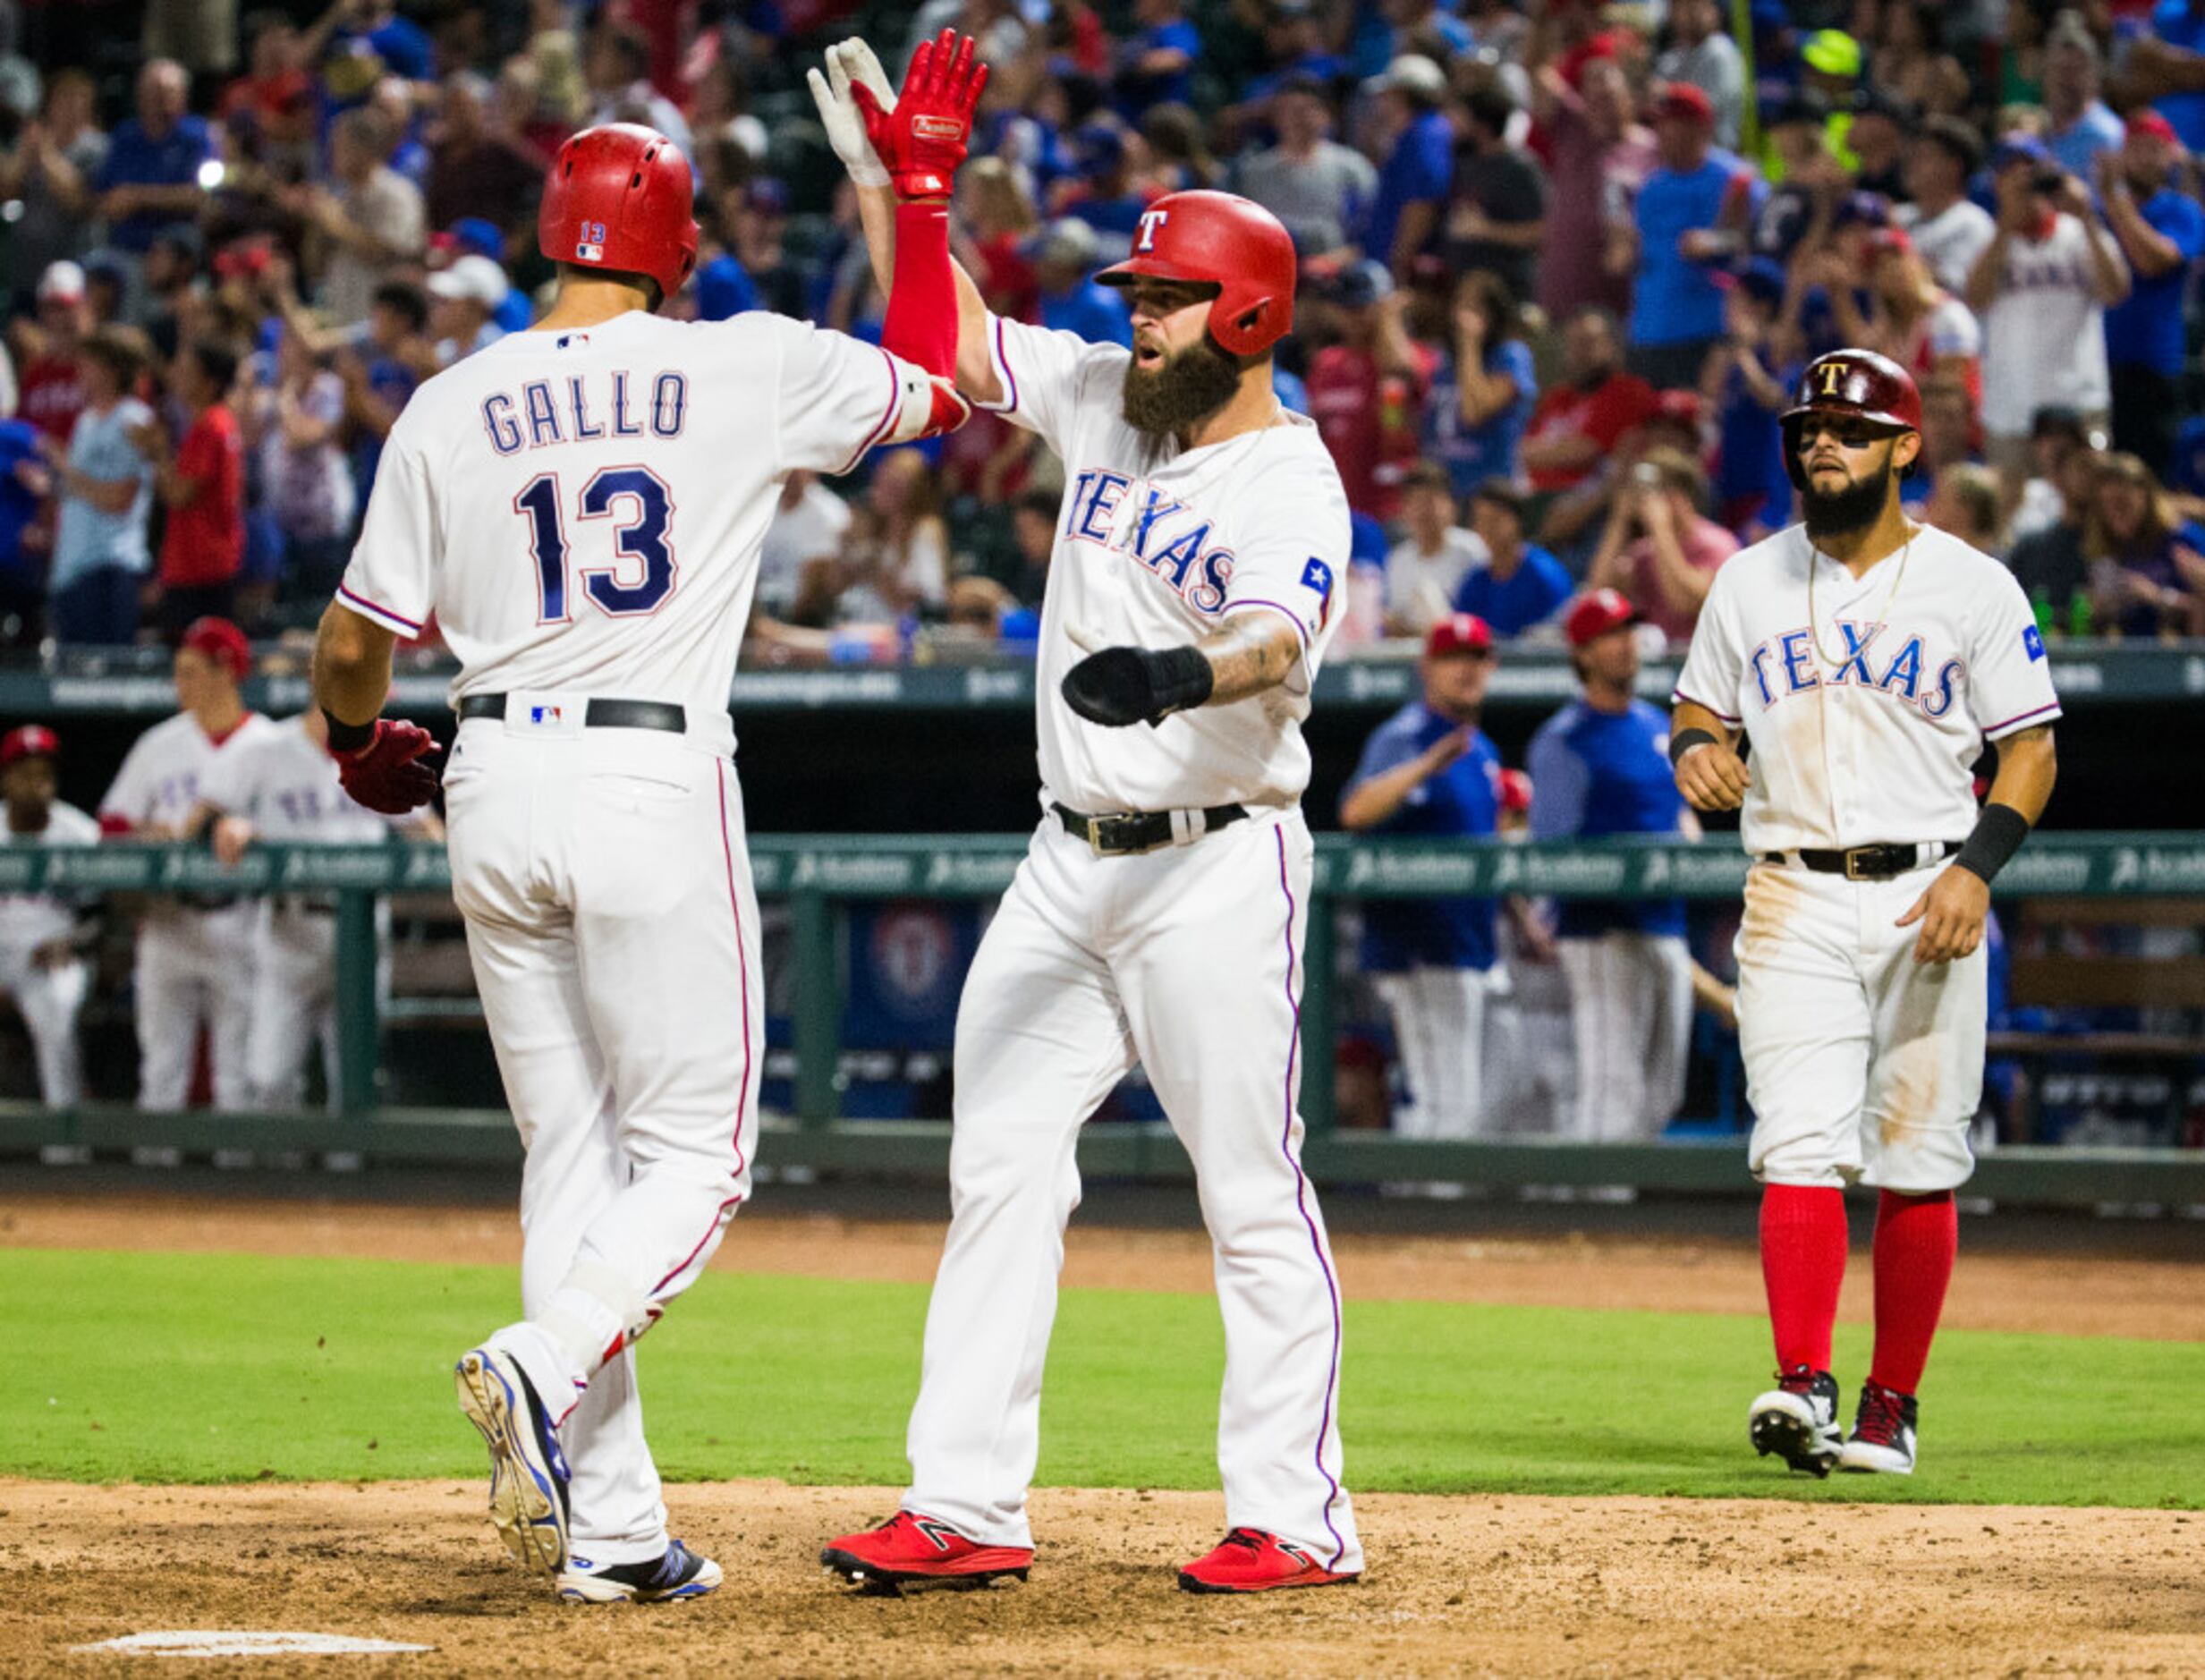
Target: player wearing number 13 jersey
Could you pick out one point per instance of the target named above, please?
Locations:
(580, 506)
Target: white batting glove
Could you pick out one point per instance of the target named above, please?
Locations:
(852, 62)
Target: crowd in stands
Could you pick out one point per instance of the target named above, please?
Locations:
(1562, 261)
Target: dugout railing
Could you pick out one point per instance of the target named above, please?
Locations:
(817, 877)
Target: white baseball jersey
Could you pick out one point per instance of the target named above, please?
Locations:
(583, 510)
(2044, 336)
(161, 774)
(1866, 719)
(1156, 549)
(31, 920)
(286, 783)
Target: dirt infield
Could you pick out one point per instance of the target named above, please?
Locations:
(1473, 1586)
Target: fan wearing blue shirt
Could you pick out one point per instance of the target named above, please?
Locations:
(1520, 586)
(1159, 65)
(1429, 771)
(2161, 231)
(151, 179)
(1483, 394)
(1414, 179)
(1072, 301)
(1693, 209)
(1600, 766)
(23, 482)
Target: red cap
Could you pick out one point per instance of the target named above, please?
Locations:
(28, 740)
(1885, 240)
(1680, 405)
(1685, 102)
(1515, 791)
(2154, 126)
(1597, 613)
(223, 642)
(1458, 632)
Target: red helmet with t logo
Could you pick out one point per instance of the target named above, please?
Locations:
(1855, 384)
(1223, 239)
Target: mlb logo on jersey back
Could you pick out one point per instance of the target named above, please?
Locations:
(2032, 643)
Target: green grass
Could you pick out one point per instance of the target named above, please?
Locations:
(217, 1368)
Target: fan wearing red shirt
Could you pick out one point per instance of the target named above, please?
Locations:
(203, 489)
(1368, 393)
(1577, 424)
(48, 393)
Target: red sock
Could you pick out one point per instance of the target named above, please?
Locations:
(1803, 1264)
(1916, 1238)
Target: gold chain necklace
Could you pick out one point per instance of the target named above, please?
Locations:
(1814, 625)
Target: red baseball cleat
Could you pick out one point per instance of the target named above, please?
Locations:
(909, 1548)
(1249, 1561)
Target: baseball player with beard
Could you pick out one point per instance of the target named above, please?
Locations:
(1867, 660)
(194, 955)
(40, 967)
(580, 506)
(1160, 913)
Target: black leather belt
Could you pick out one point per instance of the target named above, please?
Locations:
(1134, 831)
(597, 714)
(1869, 864)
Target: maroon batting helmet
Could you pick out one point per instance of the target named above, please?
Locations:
(1856, 383)
(1223, 239)
(619, 197)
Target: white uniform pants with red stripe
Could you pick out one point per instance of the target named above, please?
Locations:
(1190, 959)
(614, 933)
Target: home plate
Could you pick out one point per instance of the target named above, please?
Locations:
(215, 1641)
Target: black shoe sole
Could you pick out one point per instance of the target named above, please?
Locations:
(1773, 1432)
(871, 1581)
(1194, 1584)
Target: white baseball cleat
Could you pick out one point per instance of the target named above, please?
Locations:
(528, 1473)
(679, 1574)
(1882, 1442)
(1797, 1420)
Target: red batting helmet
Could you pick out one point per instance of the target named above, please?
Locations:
(619, 197)
(1858, 382)
(1225, 241)
(28, 740)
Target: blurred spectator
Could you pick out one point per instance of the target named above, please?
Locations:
(1693, 210)
(374, 218)
(355, 44)
(304, 478)
(2161, 233)
(1419, 160)
(171, 276)
(1968, 504)
(1877, 140)
(2041, 287)
(616, 63)
(50, 390)
(1482, 394)
(1427, 566)
(1179, 157)
(998, 219)
(1155, 67)
(749, 270)
(1104, 196)
(2049, 562)
(2166, 65)
(463, 306)
(202, 485)
(1496, 206)
(1518, 586)
(1659, 548)
(1949, 229)
(41, 970)
(2146, 563)
(1702, 52)
(1318, 187)
(1746, 385)
(1429, 771)
(149, 179)
(1012, 586)
(49, 171)
(106, 493)
(1601, 766)
(1598, 155)
(894, 560)
(1579, 421)
(1070, 301)
(1809, 180)
(275, 77)
(475, 167)
(809, 527)
(381, 373)
(25, 482)
(1367, 392)
(1910, 318)
(1947, 439)
(2079, 124)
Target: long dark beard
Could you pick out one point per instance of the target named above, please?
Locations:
(1842, 513)
(1196, 382)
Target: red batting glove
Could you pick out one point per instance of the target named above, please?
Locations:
(923, 140)
(387, 775)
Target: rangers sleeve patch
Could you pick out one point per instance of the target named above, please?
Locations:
(2032, 643)
(1317, 578)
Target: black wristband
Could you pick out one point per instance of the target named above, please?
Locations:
(1998, 834)
(1179, 678)
(346, 737)
(1685, 740)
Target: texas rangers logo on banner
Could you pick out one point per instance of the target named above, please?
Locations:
(1150, 220)
(589, 247)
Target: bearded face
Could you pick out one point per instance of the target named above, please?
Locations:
(1170, 397)
(1848, 469)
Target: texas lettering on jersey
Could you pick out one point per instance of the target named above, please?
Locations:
(1141, 520)
(1893, 664)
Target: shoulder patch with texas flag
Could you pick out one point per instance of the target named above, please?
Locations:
(1317, 578)
(2032, 643)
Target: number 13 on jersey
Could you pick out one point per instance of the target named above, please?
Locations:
(642, 505)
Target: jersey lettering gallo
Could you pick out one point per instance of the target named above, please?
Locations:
(582, 408)
(1141, 520)
(1895, 665)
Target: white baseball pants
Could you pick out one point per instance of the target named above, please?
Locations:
(1863, 1064)
(613, 933)
(294, 999)
(1631, 1010)
(1439, 1016)
(50, 1000)
(1190, 959)
(194, 966)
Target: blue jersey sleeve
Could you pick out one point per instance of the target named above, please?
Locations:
(2178, 218)
(1561, 782)
(1389, 748)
